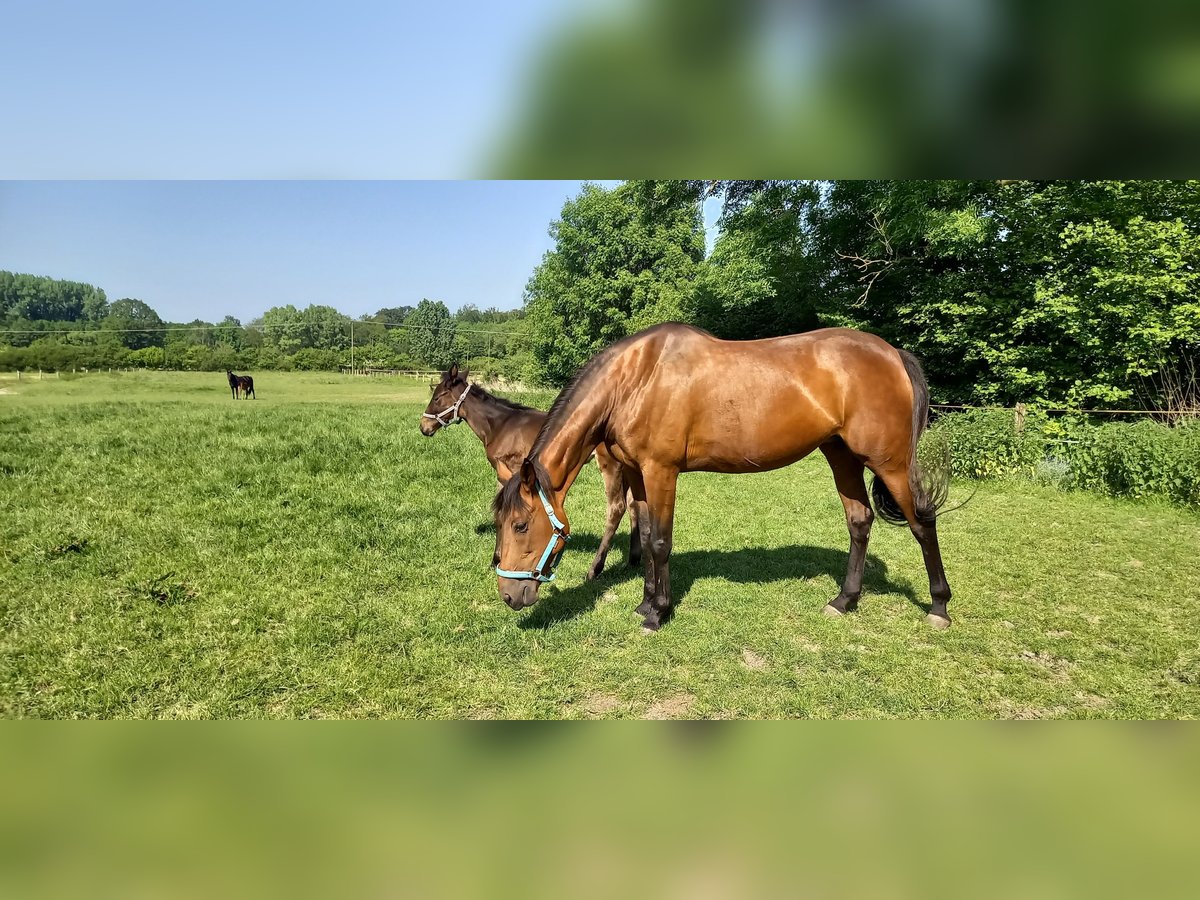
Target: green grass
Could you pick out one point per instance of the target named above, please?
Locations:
(167, 552)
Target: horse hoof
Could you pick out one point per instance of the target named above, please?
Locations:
(591, 575)
(643, 609)
(649, 627)
(938, 622)
(832, 611)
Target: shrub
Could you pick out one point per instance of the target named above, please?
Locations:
(1122, 459)
(1142, 459)
(984, 443)
(313, 360)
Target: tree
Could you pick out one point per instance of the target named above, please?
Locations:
(763, 277)
(281, 328)
(624, 259)
(431, 333)
(130, 316)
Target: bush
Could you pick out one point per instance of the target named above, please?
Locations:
(146, 358)
(1143, 459)
(984, 443)
(1121, 459)
(313, 360)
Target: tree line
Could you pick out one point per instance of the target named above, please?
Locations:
(1080, 293)
(52, 324)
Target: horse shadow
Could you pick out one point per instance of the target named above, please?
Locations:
(752, 565)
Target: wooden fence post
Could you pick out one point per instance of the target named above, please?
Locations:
(1019, 418)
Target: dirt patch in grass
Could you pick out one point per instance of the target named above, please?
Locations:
(673, 707)
(1059, 669)
(753, 661)
(598, 704)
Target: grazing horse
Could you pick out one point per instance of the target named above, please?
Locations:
(507, 431)
(676, 399)
(233, 383)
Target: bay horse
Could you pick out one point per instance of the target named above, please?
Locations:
(243, 382)
(507, 430)
(673, 399)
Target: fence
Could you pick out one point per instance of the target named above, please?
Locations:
(1021, 410)
(412, 373)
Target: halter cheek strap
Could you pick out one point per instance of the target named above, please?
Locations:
(544, 570)
(452, 410)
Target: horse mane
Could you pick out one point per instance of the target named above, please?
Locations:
(560, 407)
(509, 498)
(511, 405)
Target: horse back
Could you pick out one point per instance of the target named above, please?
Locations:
(701, 403)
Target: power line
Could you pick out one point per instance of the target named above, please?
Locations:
(170, 328)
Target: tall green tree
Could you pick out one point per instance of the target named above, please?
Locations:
(431, 330)
(764, 277)
(138, 324)
(624, 259)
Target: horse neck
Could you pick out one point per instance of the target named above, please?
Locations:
(568, 443)
(484, 415)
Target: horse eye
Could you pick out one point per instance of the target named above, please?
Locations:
(521, 527)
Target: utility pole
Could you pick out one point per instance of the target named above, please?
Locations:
(351, 346)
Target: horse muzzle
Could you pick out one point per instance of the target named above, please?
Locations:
(518, 593)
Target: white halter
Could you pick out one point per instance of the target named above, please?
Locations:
(452, 410)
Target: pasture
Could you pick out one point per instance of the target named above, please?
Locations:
(168, 552)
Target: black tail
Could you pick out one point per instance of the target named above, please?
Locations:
(930, 483)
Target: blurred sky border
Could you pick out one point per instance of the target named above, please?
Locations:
(252, 89)
(599, 88)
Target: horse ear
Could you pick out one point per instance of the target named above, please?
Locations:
(453, 373)
(529, 475)
(465, 373)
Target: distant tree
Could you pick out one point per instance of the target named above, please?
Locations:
(229, 332)
(281, 327)
(392, 315)
(128, 316)
(431, 333)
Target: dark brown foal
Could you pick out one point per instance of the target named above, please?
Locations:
(507, 431)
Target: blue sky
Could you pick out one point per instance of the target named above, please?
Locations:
(206, 249)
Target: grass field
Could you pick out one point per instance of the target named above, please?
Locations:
(167, 552)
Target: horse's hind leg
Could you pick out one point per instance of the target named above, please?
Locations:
(637, 502)
(614, 492)
(848, 476)
(635, 532)
(660, 488)
(926, 534)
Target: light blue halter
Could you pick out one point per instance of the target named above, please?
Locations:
(548, 562)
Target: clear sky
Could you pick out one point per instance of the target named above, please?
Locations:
(206, 249)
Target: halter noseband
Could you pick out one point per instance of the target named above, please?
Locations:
(452, 410)
(548, 562)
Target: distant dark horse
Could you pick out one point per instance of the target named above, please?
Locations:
(675, 399)
(245, 382)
